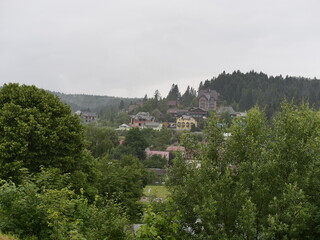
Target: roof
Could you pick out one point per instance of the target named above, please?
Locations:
(197, 109)
(209, 94)
(241, 114)
(142, 116)
(177, 111)
(161, 153)
(124, 126)
(173, 103)
(88, 114)
(226, 109)
(152, 124)
(185, 117)
(176, 149)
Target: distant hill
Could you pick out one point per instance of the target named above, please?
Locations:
(93, 103)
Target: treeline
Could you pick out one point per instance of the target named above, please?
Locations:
(244, 90)
(94, 103)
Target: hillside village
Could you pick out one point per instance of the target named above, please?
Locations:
(176, 118)
(103, 168)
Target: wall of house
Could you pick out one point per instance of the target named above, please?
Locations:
(185, 124)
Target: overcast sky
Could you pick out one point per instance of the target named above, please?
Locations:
(131, 47)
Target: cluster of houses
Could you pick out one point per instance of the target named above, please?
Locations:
(185, 119)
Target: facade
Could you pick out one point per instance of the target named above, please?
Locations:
(154, 125)
(87, 117)
(177, 112)
(140, 119)
(198, 113)
(185, 123)
(208, 99)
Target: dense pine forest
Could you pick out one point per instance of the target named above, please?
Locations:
(244, 90)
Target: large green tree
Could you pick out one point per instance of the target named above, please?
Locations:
(136, 142)
(100, 140)
(122, 180)
(37, 129)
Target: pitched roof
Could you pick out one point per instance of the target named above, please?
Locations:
(88, 114)
(197, 109)
(176, 149)
(226, 109)
(209, 94)
(142, 116)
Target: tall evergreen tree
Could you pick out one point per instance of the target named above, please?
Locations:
(174, 94)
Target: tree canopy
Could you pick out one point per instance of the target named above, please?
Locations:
(36, 129)
(261, 183)
(244, 90)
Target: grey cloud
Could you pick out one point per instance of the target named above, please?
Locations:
(129, 48)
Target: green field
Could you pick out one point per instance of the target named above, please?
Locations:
(156, 191)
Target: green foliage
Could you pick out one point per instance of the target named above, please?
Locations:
(37, 211)
(156, 191)
(113, 118)
(174, 93)
(152, 104)
(135, 140)
(122, 180)
(121, 105)
(226, 118)
(97, 104)
(155, 161)
(36, 129)
(245, 90)
(161, 221)
(101, 140)
(259, 184)
(158, 140)
(189, 97)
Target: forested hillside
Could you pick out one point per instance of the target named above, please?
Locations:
(240, 90)
(244, 90)
(93, 103)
